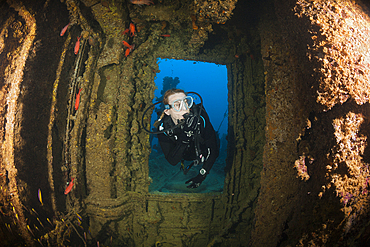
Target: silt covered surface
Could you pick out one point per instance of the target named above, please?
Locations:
(297, 162)
(315, 127)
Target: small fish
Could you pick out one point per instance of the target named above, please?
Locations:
(78, 97)
(127, 44)
(49, 221)
(64, 29)
(79, 216)
(34, 211)
(40, 222)
(9, 227)
(85, 236)
(141, 2)
(165, 35)
(40, 196)
(28, 227)
(126, 31)
(77, 46)
(127, 52)
(40, 242)
(132, 29)
(129, 48)
(69, 187)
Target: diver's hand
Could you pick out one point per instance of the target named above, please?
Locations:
(184, 137)
(190, 122)
(196, 181)
(187, 128)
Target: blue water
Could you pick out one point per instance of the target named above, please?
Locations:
(210, 81)
(207, 79)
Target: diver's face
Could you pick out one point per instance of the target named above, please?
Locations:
(176, 115)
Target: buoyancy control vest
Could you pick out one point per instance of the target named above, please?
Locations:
(196, 136)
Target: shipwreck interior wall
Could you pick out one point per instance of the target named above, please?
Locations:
(316, 64)
(71, 108)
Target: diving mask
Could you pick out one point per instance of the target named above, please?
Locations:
(179, 104)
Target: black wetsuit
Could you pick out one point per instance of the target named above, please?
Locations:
(176, 149)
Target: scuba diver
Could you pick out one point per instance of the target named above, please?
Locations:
(186, 133)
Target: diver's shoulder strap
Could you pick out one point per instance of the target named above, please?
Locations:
(198, 112)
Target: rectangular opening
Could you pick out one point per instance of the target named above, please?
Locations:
(209, 80)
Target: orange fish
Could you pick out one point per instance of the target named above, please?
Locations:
(126, 31)
(64, 29)
(129, 48)
(78, 96)
(77, 46)
(141, 2)
(69, 187)
(132, 29)
(127, 52)
(165, 35)
(127, 45)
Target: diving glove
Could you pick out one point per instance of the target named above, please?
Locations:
(196, 181)
(191, 122)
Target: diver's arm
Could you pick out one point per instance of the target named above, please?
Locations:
(210, 140)
(210, 152)
(173, 151)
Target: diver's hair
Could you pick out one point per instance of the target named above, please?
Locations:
(169, 92)
(166, 95)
